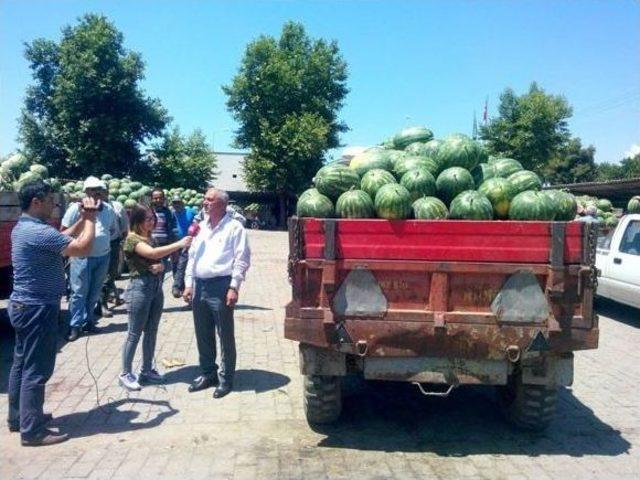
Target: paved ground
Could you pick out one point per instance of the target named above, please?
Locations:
(259, 431)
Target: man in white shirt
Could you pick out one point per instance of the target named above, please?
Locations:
(219, 258)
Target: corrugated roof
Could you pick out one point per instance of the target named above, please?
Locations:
(614, 190)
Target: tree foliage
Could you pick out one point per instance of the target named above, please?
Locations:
(628, 168)
(571, 164)
(183, 162)
(531, 128)
(286, 97)
(85, 112)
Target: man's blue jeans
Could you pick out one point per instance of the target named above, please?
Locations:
(34, 357)
(87, 275)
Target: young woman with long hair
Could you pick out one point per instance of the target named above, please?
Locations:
(145, 295)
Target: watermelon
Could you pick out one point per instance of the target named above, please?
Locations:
(130, 203)
(505, 167)
(410, 135)
(121, 198)
(500, 192)
(26, 177)
(135, 185)
(106, 177)
(15, 165)
(564, 205)
(419, 182)
(314, 205)
(604, 205)
(39, 170)
(452, 181)
(393, 202)
(410, 162)
(483, 172)
(374, 179)
(333, 180)
(611, 221)
(458, 150)
(395, 156)
(471, 205)
(429, 208)
(355, 204)
(634, 204)
(525, 180)
(416, 148)
(530, 205)
(55, 184)
(370, 159)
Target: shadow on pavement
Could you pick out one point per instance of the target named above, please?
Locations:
(618, 312)
(110, 419)
(184, 374)
(396, 417)
(258, 380)
(251, 307)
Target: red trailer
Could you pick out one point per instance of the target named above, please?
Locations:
(9, 213)
(441, 302)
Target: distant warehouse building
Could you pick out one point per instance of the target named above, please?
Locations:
(269, 209)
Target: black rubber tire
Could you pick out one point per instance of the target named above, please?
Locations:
(528, 407)
(322, 399)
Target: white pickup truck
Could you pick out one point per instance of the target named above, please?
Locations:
(618, 262)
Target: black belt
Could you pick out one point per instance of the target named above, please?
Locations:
(225, 278)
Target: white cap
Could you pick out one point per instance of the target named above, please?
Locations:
(93, 182)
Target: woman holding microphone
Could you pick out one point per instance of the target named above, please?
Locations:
(145, 295)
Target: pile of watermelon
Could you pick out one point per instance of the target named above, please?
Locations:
(126, 191)
(634, 204)
(413, 175)
(604, 209)
(191, 198)
(16, 171)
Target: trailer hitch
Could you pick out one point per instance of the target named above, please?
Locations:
(434, 393)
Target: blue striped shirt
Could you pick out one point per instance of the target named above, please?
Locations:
(36, 255)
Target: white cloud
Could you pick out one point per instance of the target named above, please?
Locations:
(633, 151)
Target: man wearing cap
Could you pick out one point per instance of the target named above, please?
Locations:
(87, 274)
(183, 218)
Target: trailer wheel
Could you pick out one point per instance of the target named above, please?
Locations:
(322, 398)
(528, 407)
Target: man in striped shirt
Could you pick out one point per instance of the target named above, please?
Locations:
(38, 284)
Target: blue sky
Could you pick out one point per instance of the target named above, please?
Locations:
(410, 62)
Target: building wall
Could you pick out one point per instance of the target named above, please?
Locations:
(229, 172)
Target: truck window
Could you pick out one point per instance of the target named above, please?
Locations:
(631, 239)
(604, 241)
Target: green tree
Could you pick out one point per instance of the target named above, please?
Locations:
(531, 128)
(183, 162)
(85, 112)
(572, 164)
(627, 168)
(286, 97)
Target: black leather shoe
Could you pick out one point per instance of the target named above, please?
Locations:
(202, 383)
(74, 334)
(90, 328)
(15, 427)
(221, 391)
(44, 438)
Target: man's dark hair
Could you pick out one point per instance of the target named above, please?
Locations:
(157, 189)
(30, 190)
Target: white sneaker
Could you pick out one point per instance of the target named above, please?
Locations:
(152, 376)
(129, 381)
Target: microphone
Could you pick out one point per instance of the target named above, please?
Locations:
(194, 228)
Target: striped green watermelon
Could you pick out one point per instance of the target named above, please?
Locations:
(525, 180)
(500, 192)
(564, 205)
(370, 159)
(410, 162)
(634, 204)
(355, 204)
(604, 205)
(452, 181)
(483, 172)
(506, 166)
(374, 179)
(410, 135)
(333, 180)
(471, 205)
(419, 182)
(429, 208)
(395, 156)
(531, 205)
(314, 204)
(393, 202)
(458, 150)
